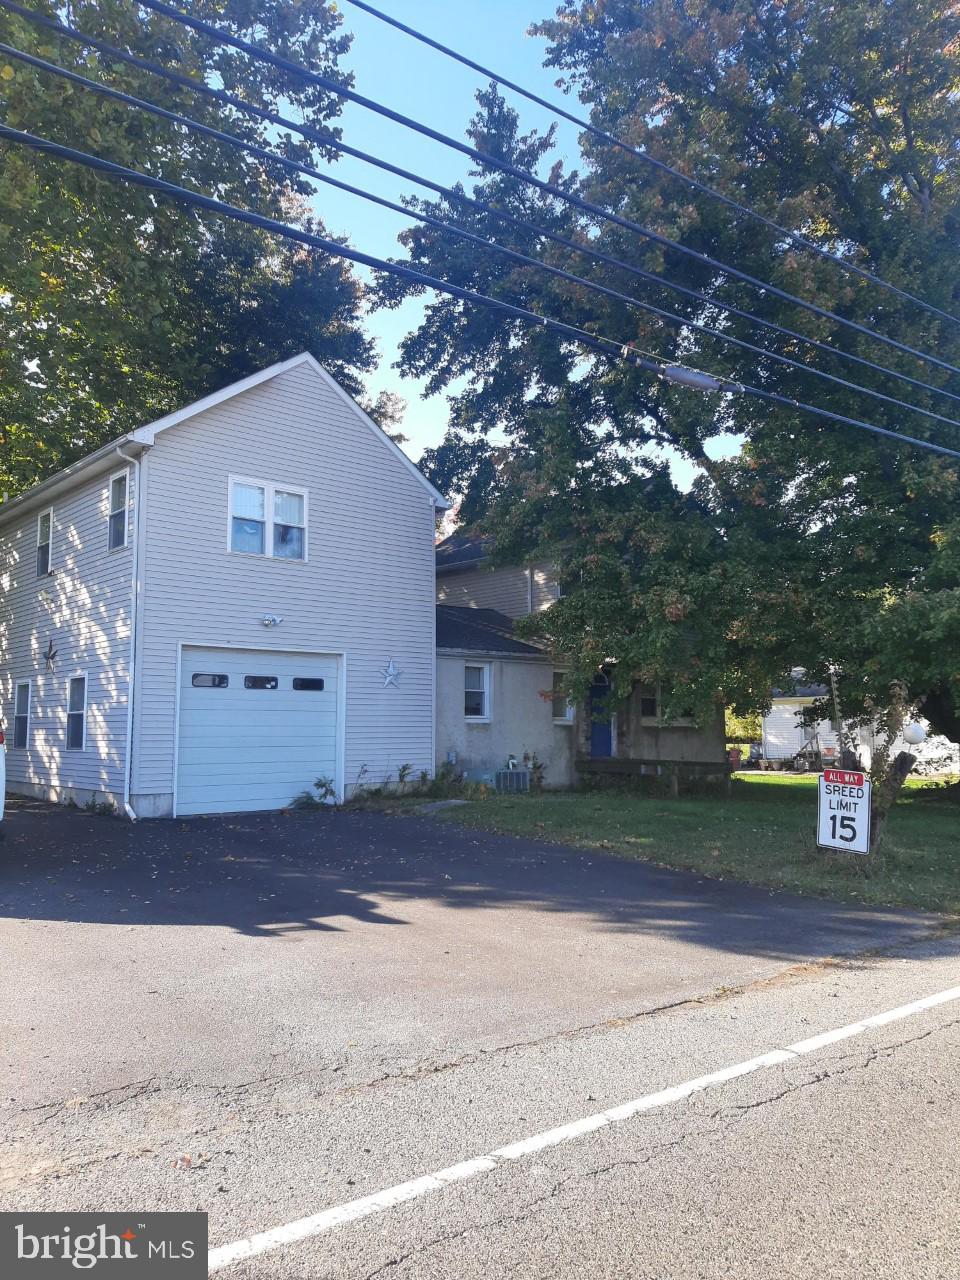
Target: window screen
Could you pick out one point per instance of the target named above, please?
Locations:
(77, 713)
(475, 692)
(21, 716)
(117, 525)
(208, 680)
(44, 538)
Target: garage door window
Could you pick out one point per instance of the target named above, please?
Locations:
(308, 684)
(209, 680)
(260, 682)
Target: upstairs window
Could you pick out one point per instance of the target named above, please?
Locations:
(44, 540)
(21, 715)
(268, 520)
(77, 714)
(117, 519)
(476, 692)
(289, 524)
(248, 509)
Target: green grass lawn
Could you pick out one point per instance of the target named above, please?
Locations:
(764, 834)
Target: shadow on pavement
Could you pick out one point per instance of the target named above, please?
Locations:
(271, 874)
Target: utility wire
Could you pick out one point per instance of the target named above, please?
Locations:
(662, 166)
(324, 138)
(264, 153)
(605, 346)
(523, 175)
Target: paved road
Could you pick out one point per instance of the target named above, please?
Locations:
(315, 1008)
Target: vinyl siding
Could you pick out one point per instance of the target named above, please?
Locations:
(83, 607)
(366, 588)
(506, 589)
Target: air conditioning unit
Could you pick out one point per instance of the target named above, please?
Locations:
(513, 781)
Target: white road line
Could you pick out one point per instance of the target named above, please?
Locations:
(328, 1219)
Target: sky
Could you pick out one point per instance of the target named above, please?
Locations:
(397, 70)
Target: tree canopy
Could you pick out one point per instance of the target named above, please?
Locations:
(117, 306)
(799, 542)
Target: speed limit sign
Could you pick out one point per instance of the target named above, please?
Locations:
(843, 811)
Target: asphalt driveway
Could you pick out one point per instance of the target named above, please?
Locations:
(396, 937)
(229, 986)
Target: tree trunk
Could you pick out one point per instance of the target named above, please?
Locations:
(884, 795)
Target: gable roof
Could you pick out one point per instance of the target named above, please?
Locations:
(143, 437)
(462, 551)
(466, 630)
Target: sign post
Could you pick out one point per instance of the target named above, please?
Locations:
(843, 811)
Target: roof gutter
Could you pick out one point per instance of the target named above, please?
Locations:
(41, 493)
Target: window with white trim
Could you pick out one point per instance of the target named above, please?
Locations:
(21, 715)
(562, 706)
(476, 691)
(268, 520)
(77, 713)
(117, 518)
(44, 541)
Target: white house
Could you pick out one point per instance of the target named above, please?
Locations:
(784, 734)
(216, 609)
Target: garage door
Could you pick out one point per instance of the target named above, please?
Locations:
(256, 727)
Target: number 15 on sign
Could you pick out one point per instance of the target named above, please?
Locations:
(843, 811)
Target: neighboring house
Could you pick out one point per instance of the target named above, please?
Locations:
(784, 734)
(216, 609)
(523, 717)
(466, 578)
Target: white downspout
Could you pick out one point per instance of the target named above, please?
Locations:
(134, 611)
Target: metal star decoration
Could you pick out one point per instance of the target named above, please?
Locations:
(391, 675)
(51, 655)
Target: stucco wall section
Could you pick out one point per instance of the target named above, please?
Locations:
(521, 719)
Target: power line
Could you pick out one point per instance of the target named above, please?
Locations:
(522, 175)
(660, 165)
(456, 196)
(264, 153)
(604, 346)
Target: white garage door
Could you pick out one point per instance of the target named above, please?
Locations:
(256, 727)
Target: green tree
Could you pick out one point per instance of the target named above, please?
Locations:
(116, 306)
(815, 544)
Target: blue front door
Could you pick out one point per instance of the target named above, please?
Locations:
(601, 739)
